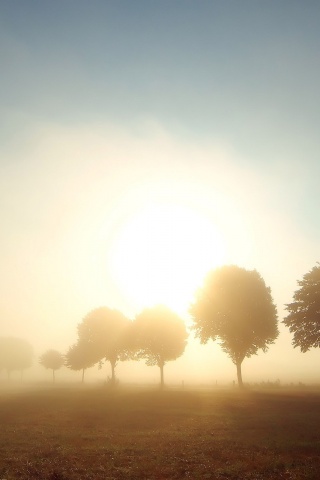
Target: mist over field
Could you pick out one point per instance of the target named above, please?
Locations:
(142, 146)
(159, 247)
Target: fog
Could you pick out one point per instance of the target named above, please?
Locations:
(61, 220)
(142, 147)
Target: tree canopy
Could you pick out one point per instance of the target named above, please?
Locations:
(106, 333)
(81, 356)
(53, 360)
(160, 336)
(15, 354)
(304, 312)
(236, 307)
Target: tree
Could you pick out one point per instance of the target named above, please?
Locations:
(15, 354)
(53, 360)
(106, 333)
(80, 356)
(304, 313)
(160, 336)
(235, 306)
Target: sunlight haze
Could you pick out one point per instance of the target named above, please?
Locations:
(143, 144)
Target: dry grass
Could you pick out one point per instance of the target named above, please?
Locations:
(62, 433)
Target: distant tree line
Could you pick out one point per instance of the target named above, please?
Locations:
(156, 335)
(16, 354)
(233, 307)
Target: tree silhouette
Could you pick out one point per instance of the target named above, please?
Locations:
(235, 306)
(15, 354)
(53, 360)
(106, 333)
(304, 313)
(81, 356)
(159, 336)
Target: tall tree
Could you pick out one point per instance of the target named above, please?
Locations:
(236, 307)
(15, 354)
(81, 356)
(304, 313)
(160, 336)
(106, 332)
(53, 360)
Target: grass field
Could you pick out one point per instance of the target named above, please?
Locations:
(96, 433)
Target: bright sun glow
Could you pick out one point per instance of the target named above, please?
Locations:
(162, 253)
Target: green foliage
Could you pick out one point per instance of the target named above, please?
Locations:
(15, 354)
(236, 307)
(160, 335)
(51, 359)
(304, 313)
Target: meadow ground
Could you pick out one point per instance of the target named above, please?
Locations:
(62, 433)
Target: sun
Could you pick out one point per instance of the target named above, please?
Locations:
(161, 254)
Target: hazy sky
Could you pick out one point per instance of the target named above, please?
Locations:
(108, 108)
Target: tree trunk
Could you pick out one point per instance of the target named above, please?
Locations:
(82, 376)
(53, 377)
(161, 377)
(113, 374)
(239, 375)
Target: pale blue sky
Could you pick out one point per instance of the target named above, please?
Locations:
(244, 72)
(100, 97)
